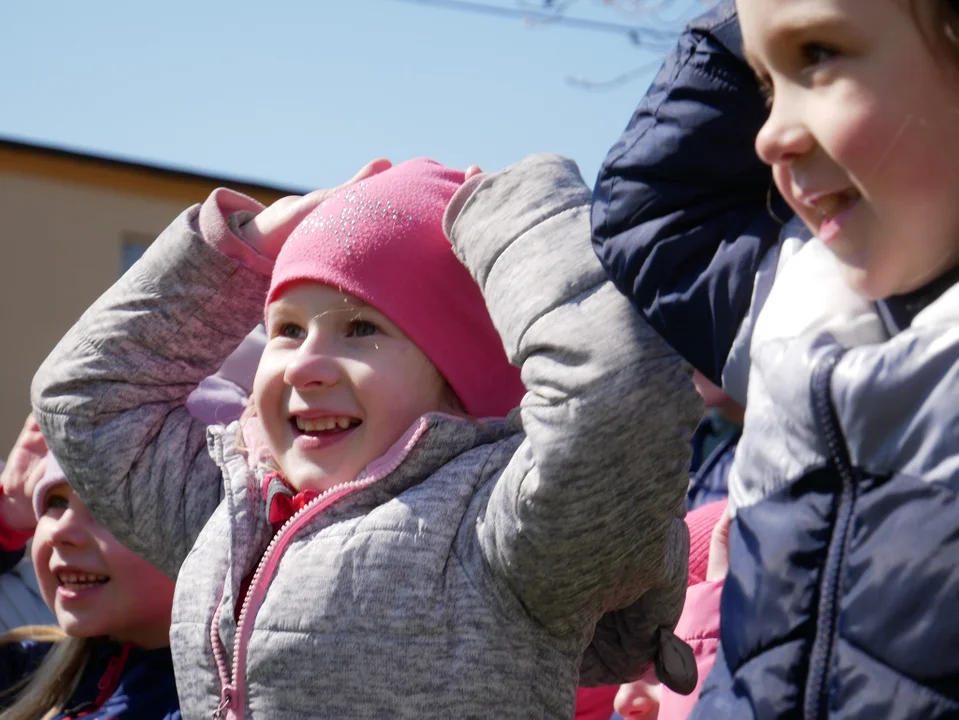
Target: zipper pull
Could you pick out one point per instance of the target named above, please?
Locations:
(226, 700)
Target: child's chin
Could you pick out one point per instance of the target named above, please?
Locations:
(79, 627)
(311, 480)
(872, 285)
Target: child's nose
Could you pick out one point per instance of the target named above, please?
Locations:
(69, 529)
(783, 138)
(315, 364)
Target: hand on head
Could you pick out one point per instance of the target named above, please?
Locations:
(268, 230)
(24, 468)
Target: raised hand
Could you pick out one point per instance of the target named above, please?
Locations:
(718, 564)
(24, 468)
(268, 230)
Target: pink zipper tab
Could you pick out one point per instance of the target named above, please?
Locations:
(226, 701)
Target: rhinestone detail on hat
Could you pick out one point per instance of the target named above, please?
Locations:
(358, 207)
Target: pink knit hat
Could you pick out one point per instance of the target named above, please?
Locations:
(382, 241)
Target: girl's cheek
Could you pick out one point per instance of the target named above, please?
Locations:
(877, 147)
(150, 589)
(783, 183)
(40, 555)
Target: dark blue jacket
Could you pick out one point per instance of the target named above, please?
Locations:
(118, 681)
(681, 210)
(841, 594)
(714, 445)
(9, 559)
(844, 554)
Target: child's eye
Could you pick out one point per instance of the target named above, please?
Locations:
(816, 53)
(362, 328)
(55, 502)
(290, 331)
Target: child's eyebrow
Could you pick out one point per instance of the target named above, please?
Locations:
(790, 27)
(278, 306)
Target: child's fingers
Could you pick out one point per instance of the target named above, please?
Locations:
(718, 564)
(31, 438)
(473, 170)
(24, 469)
(268, 231)
(310, 201)
(34, 475)
(30, 441)
(373, 167)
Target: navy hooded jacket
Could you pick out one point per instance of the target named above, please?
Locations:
(683, 209)
(118, 681)
(845, 484)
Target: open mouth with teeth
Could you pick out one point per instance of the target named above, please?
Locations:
(833, 205)
(80, 581)
(332, 425)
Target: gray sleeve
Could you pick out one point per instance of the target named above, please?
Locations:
(587, 516)
(111, 397)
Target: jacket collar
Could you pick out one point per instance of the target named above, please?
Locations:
(893, 395)
(429, 444)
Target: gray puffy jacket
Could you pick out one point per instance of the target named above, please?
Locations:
(462, 576)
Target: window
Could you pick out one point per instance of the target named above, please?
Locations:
(132, 247)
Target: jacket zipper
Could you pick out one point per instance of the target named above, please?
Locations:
(108, 684)
(827, 623)
(231, 691)
(231, 682)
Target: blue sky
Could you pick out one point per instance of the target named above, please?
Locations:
(301, 93)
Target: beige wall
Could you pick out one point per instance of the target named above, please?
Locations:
(63, 221)
(61, 247)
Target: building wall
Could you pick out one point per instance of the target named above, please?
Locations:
(63, 225)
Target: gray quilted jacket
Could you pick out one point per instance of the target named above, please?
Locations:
(462, 576)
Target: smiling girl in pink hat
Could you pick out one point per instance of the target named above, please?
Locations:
(448, 472)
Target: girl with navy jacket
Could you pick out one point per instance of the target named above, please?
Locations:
(842, 550)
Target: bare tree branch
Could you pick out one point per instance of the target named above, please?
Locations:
(661, 21)
(554, 13)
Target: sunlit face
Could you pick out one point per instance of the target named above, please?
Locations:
(337, 385)
(863, 134)
(94, 585)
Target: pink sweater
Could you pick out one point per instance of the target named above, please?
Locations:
(699, 626)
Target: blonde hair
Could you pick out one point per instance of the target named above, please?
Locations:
(43, 694)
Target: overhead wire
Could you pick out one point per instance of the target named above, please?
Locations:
(646, 36)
